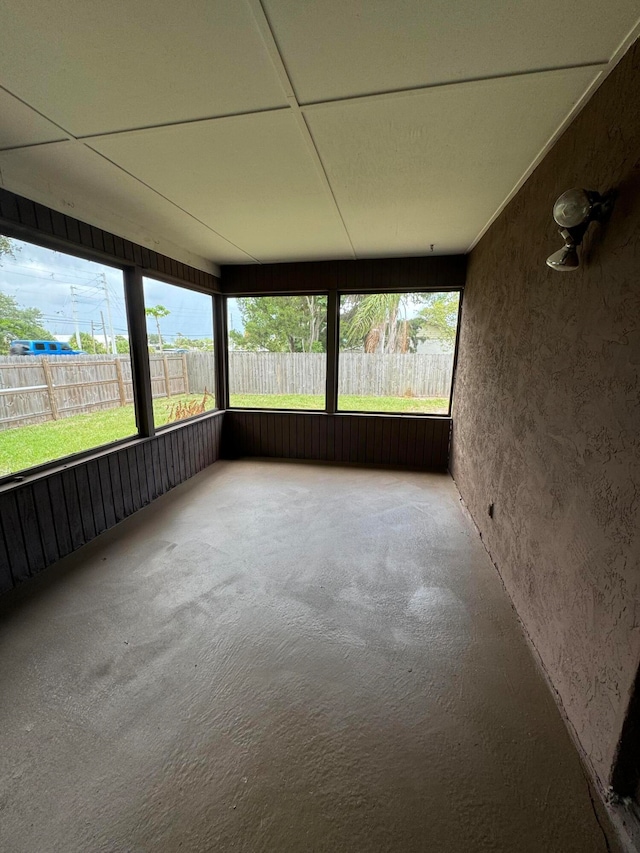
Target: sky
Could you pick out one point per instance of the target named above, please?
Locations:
(41, 278)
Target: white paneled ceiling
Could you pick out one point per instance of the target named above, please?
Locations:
(105, 65)
(20, 125)
(66, 171)
(385, 184)
(337, 49)
(230, 131)
(251, 175)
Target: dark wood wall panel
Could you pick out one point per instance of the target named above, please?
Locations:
(70, 234)
(47, 517)
(362, 439)
(439, 272)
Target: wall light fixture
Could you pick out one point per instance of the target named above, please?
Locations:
(574, 211)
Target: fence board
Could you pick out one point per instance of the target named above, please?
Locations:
(35, 389)
(38, 389)
(363, 374)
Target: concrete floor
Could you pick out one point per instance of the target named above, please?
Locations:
(282, 657)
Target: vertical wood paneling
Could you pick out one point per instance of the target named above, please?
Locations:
(377, 449)
(427, 444)
(106, 488)
(6, 579)
(51, 516)
(154, 450)
(13, 539)
(84, 503)
(337, 438)
(60, 515)
(164, 462)
(30, 530)
(125, 483)
(178, 472)
(116, 487)
(46, 523)
(143, 477)
(445, 437)
(420, 443)
(96, 493)
(73, 508)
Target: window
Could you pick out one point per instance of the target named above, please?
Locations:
(65, 372)
(277, 352)
(181, 354)
(396, 352)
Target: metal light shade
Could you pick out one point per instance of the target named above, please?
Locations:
(573, 208)
(573, 211)
(565, 259)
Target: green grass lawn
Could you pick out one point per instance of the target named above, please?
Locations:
(346, 403)
(24, 447)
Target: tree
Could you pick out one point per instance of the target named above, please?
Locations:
(90, 344)
(7, 247)
(157, 311)
(440, 317)
(382, 322)
(377, 322)
(197, 344)
(282, 324)
(18, 323)
(122, 345)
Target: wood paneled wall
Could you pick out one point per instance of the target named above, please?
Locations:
(421, 443)
(49, 516)
(428, 273)
(29, 220)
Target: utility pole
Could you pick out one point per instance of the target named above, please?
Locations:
(74, 308)
(93, 338)
(104, 332)
(114, 348)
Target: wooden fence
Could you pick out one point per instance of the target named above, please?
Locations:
(34, 389)
(362, 374)
(42, 388)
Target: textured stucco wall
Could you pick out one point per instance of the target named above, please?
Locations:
(547, 416)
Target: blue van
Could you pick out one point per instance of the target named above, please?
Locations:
(42, 348)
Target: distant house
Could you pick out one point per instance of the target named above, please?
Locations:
(430, 342)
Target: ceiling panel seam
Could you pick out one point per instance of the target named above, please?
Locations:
(271, 44)
(182, 123)
(170, 201)
(310, 106)
(375, 97)
(66, 133)
(6, 148)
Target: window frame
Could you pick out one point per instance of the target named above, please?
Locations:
(366, 292)
(333, 350)
(132, 273)
(176, 282)
(226, 298)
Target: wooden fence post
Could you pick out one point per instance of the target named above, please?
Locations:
(123, 396)
(50, 389)
(166, 375)
(185, 373)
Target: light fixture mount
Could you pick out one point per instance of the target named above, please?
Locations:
(574, 211)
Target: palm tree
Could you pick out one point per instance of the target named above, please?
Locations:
(375, 322)
(157, 311)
